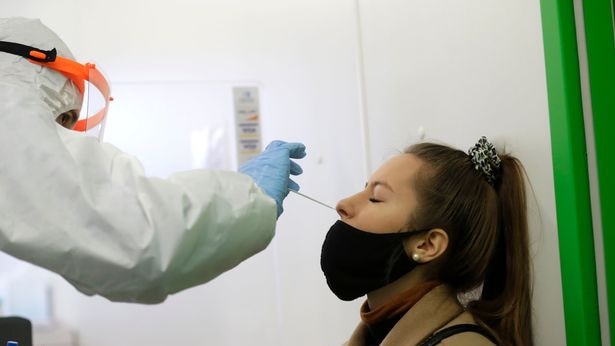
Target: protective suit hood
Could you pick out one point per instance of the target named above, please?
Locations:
(57, 92)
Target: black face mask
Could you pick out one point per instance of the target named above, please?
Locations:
(356, 262)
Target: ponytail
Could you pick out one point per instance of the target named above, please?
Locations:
(505, 302)
(486, 221)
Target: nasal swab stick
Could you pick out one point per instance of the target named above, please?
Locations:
(312, 199)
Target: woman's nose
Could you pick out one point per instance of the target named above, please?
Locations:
(344, 209)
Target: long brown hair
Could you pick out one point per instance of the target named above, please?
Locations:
(488, 235)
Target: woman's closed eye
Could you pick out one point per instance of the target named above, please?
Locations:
(374, 200)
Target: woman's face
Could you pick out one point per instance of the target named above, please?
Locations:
(388, 200)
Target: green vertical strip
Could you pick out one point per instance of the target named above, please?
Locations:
(577, 257)
(601, 63)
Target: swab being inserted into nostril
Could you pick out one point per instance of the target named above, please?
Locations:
(311, 199)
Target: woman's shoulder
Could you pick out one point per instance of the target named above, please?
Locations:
(468, 337)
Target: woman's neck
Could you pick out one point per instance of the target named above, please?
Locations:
(384, 294)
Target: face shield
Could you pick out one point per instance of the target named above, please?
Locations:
(88, 79)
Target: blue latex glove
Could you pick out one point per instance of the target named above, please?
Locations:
(271, 169)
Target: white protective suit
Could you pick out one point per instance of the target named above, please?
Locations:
(86, 211)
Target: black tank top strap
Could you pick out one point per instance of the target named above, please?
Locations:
(437, 337)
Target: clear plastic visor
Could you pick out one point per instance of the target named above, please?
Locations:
(96, 99)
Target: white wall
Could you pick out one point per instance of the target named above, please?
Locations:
(441, 65)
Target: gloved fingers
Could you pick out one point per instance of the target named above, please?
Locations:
(292, 185)
(295, 150)
(295, 169)
(274, 144)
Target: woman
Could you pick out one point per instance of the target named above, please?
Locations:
(430, 224)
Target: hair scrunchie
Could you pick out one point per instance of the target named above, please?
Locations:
(485, 159)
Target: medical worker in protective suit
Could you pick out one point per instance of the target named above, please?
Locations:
(85, 210)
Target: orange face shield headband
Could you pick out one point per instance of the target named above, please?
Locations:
(76, 72)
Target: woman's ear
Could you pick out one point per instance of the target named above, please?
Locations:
(427, 247)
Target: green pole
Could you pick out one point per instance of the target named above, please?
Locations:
(574, 220)
(600, 41)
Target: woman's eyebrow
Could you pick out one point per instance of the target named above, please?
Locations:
(382, 183)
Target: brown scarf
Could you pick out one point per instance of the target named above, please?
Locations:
(398, 305)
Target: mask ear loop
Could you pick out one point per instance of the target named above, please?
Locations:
(400, 251)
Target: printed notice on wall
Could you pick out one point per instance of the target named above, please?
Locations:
(247, 123)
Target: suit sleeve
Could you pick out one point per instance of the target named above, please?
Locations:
(87, 211)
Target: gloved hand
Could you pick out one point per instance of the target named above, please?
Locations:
(272, 168)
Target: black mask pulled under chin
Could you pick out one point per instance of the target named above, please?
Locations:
(356, 262)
